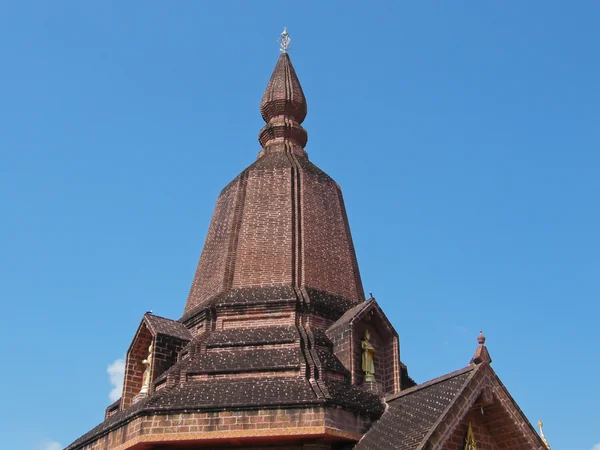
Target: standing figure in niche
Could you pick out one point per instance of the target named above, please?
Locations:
(368, 365)
(148, 363)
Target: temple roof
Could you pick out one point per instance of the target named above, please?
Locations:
(412, 413)
(247, 393)
(278, 272)
(167, 327)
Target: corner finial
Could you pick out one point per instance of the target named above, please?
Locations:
(481, 354)
(481, 338)
(284, 41)
(541, 425)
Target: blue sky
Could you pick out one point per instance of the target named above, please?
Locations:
(465, 136)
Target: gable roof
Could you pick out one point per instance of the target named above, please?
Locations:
(167, 327)
(424, 416)
(350, 314)
(413, 412)
(249, 393)
(357, 312)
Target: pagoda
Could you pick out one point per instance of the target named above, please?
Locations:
(277, 346)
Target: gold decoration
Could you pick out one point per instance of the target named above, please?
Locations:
(368, 365)
(148, 363)
(471, 443)
(541, 425)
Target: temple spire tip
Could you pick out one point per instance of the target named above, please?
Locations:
(283, 106)
(284, 41)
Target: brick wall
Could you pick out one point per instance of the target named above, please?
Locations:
(210, 273)
(273, 425)
(256, 316)
(343, 345)
(166, 351)
(264, 245)
(485, 440)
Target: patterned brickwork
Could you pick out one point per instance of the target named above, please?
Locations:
(265, 258)
(166, 350)
(224, 426)
(343, 346)
(211, 271)
(328, 255)
(282, 221)
(483, 436)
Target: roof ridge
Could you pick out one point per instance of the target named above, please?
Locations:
(161, 317)
(514, 403)
(348, 315)
(429, 383)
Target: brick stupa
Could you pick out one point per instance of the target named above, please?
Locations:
(268, 351)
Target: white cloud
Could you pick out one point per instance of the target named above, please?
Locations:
(51, 445)
(596, 447)
(116, 373)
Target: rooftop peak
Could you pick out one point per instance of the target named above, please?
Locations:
(284, 41)
(481, 354)
(283, 107)
(481, 338)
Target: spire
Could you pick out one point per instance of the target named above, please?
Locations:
(283, 107)
(481, 354)
(281, 223)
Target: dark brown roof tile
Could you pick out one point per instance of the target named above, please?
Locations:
(168, 327)
(412, 413)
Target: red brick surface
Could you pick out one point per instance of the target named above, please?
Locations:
(227, 426)
(282, 221)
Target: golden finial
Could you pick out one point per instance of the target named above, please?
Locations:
(541, 425)
(470, 443)
(284, 41)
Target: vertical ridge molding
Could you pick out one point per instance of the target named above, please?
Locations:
(235, 231)
(357, 279)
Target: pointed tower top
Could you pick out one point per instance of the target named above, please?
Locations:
(283, 106)
(284, 41)
(284, 94)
